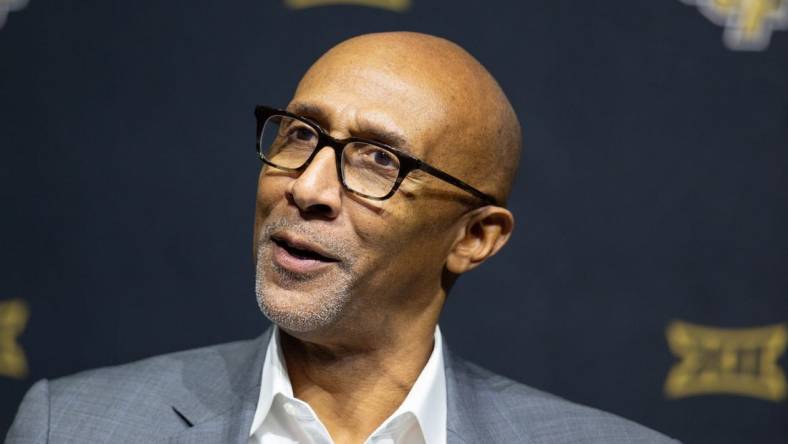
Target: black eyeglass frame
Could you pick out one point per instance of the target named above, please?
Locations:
(407, 162)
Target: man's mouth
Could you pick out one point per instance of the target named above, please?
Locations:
(298, 255)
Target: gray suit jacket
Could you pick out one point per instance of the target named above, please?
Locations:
(209, 395)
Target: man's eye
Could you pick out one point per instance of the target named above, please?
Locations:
(302, 134)
(359, 156)
(383, 158)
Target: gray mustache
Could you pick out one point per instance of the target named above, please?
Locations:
(336, 246)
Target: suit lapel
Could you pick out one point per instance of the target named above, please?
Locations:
(473, 413)
(231, 426)
(219, 393)
(219, 396)
(459, 403)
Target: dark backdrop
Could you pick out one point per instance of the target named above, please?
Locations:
(653, 188)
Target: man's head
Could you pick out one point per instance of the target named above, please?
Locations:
(334, 264)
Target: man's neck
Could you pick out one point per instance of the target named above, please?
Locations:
(354, 389)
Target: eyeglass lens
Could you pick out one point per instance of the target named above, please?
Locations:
(367, 169)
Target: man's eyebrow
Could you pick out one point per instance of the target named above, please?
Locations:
(314, 112)
(369, 130)
(387, 136)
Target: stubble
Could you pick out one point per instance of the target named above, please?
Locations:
(303, 302)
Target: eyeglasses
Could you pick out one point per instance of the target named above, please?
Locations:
(365, 167)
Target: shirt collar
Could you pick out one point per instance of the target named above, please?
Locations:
(426, 399)
(274, 380)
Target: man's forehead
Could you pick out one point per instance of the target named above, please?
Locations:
(370, 82)
(404, 109)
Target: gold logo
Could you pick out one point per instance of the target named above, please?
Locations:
(392, 5)
(13, 318)
(748, 23)
(7, 6)
(740, 361)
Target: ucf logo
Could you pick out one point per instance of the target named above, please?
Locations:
(393, 5)
(13, 318)
(748, 23)
(732, 361)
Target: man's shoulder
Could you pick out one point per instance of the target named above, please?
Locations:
(535, 416)
(154, 374)
(137, 402)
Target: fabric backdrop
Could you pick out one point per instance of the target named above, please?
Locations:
(647, 274)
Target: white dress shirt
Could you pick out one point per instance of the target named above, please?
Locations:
(281, 418)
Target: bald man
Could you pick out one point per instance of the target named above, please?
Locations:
(382, 181)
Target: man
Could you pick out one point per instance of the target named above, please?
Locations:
(383, 181)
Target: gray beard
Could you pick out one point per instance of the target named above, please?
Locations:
(302, 311)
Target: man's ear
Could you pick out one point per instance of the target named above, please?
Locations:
(485, 232)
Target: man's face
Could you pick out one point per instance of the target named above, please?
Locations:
(329, 259)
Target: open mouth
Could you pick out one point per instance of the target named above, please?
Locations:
(301, 252)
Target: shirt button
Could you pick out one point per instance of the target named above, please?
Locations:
(290, 409)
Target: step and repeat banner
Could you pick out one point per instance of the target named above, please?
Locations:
(648, 273)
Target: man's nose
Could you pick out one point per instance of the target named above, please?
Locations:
(317, 190)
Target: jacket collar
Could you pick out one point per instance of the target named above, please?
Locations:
(460, 403)
(474, 413)
(221, 392)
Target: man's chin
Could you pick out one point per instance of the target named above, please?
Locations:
(305, 307)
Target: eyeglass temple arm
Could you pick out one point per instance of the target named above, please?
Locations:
(446, 177)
